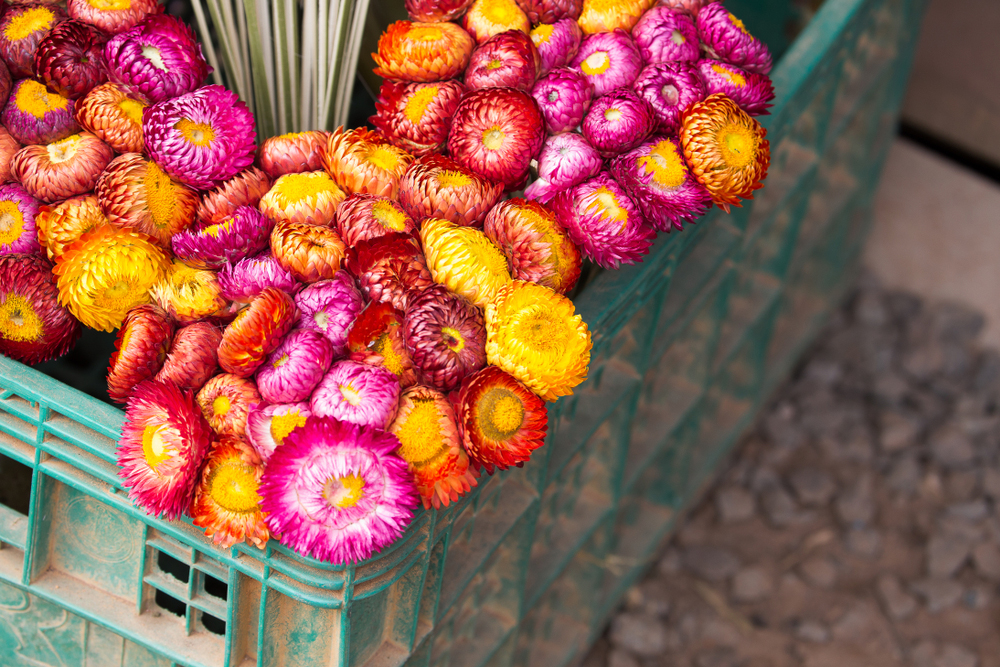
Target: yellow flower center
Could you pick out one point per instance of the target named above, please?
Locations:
(503, 12)
(453, 179)
(677, 38)
(542, 34)
(296, 187)
(496, 63)
(282, 360)
(215, 230)
(11, 222)
(500, 414)
(33, 98)
(28, 22)
(132, 109)
(664, 163)
(597, 62)
(738, 145)
(124, 293)
(199, 134)
(604, 203)
(486, 254)
(391, 360)
(389, 216)
(350, 394)
(540, 331)
(493, 138)
(344, 491)
(155, 58)
(453, 339)
(18, 320)
(420, 437)
(613, 114)
(282, 425)
(384, 157)
(233, 486)
(418, 103)
(220, 406)
(63, 151)
(160, 198)
(425, 33)
(154, 448)
(734, 78)
(739, 24)
(110, 5)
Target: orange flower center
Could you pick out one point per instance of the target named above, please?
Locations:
(453, 179)
(344, 491)
(391, 359)
(28, 22)
(542, 34)
(233, 486)
(296, 187)
(453, 339)
(18, 320)
(597, 62)
(664, 163)
(110, 5)
(604, 203)
(152, 54)
(33, 98)
(160, 198)
(493, 138)
(738, 145)
(11, 222)
(384, 157)
(282, 425)
(389, 216)
(732, 77)
(500, 413)
(418, 103)
(420, 437)
(199, 134)
(132, 109)
(221, 405)
(154, 449)
(739, 24)
(63, 151)
(350, 394)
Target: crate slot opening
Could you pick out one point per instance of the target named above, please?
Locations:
(215, 587)
(15, 491)
(214, 625)
(176, 569)
(169, 603)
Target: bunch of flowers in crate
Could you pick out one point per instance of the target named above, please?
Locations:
(319, 333)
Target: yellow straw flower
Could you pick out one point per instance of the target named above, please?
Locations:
(464, 260)
(534, 334)
(607, 15)
(311, 197)
(486, 18)
(189, 294)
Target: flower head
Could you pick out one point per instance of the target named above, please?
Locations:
(564, 96)
(164, 441)
(538, 249)
(242, 281)
(751, 90)
(416, 117)
(134, 192)
(670, 88)
(496, 133)
(550, 11)
(34, 327)
(357, 393)
(8, 147)
(62, 169)
(293, 153)
(115, 118)
(507, 59)
(436, 11)
(60, 225)
(603, 220)
(609, 15)
(535, 335)
(189, 294)
(112, 17)
(618, 122)
(243, 234)
(269, 425)
(430, 445)
(201, 138)
(193, 356)
(295, 367)
(158, 59)
(310, 252)
(225, 401)
(336, 492)
(692, 7)
(21, 31)
(69, 59)
(486, 18)
(411, 51)
(664, 34)
(106, 272)
(661, 184)
(726, 149)
(500, 420)
(609, 60)
(445, 336)
(244, 189)
(363, 217)
(256, 331)
(437, 186)
(226, 502)
(726, 38)
(18, 210)
(377, 339)
(140, 350)
(307, 198)
(329, 307)
(566, 160)
(557, 43)
(389, 268)
(33, 115)
(464, 260)
(363, 161)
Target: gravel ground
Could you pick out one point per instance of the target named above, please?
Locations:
(859, 523)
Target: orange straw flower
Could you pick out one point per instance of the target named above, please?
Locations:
(244, 189)
(61, 224)
(61, 169)
(364, 161)
(310, 252)
(292, 153)
(108, 112)
(226, 503)
(423, 51)
(486, 18)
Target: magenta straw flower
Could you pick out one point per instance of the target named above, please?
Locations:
(357, 393)
(158, 59)
(618, 122)
(295, 367)
(242, 281)
(34, 115)
(446, 337)
(329, 307)
(666, 35)
(244, 233)
(566, 160)
(750, 90)
(609, 59)
(557, 43)
(269, 425)
(17, 221)
(660, 182)
(724, 37)
(564, 96)
(202, 138)
(337, 492)
(603, 220)
(670, 89)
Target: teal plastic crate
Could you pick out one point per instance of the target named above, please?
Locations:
(527, 568)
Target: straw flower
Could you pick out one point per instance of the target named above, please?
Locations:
(430, 445)
(63, 223)
(566, 160)
(244, 189)
(189, 294)
(18, 211)
(269, 425)
(609, 15)
(357, 393)
(535, 335)
(664, 34)
(140, 350)
(225, 402)
(437, 186)
(436, 11)
(363, 161)
(564, 97)
(193, 356)
(618, 122)
(243, 234)
(445, 336)
(112, 17)
(256, 331)
(411, 51)
(115, 118)
(389, 268)
(507, 59)
(295, 367)
(226, 501)
(486, 18)
(725, 38)
(752, 91)
(670, 88)
(310, 252)
(163, 444)
(308, 198)
(550, 11)
(69, 60)
(292, 153)
(33, 115)
(416, 117)
(242, 281)
(33, 326)
(376, 338)
(61, 169)
(21, 31)
(690, 6)
(8, 147)
(464, 260)
(557, 43)
(363, 217)
(609, 60)
(106, 272)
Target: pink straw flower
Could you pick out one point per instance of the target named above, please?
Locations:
(557, 43)
(618, 122)
(357, 393)
(670, 89)
(330, 307)
(244, 233)
(564, 96)
(566, 160)
(726, 38)
(750, 90)
(609, 60)
(248, 277)
(666, 35)
(269, 425)
(17, 221)
(295, 367)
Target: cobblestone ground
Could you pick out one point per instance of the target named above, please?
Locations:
(857, 526)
